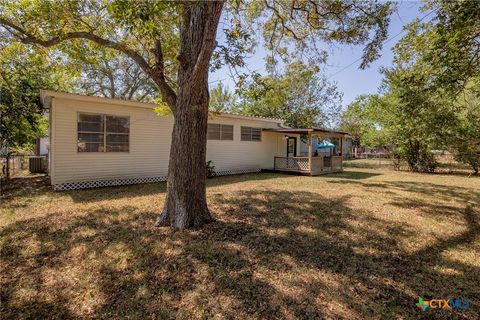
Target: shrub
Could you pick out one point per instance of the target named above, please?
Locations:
(418, 157)
(210, 169)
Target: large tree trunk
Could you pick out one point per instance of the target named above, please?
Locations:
(186, 203)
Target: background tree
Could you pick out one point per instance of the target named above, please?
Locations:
(448, 45)
(356, 121)
(104, 73)
(22, 74)
(426, 104)
(445, 52)
(433, 64)
(408, 119)
(465, 142)
(173, 42)
(221, 100)
(301, 96)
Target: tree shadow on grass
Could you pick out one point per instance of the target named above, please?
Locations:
(353, 175)
(423, 188)
(271, 254)
(27, 187)
(140, 190)
(389, 279)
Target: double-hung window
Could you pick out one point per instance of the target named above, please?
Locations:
(219, 131)
(102, 133)
(251, 134)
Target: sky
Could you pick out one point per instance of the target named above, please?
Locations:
(351, 81)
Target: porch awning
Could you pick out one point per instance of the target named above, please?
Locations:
(306, 131)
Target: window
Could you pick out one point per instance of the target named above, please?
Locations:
(219, 131)
(251, 134)
(102, 133)
(117, 131)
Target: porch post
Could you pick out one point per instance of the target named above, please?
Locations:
(341, 146)
(310, 152)
(341, 153)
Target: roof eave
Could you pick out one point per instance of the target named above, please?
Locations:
(47, 95)
(307, 131)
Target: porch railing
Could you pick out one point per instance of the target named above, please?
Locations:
(291, 163)
(337, 163)
(302, 164)
(317, 164)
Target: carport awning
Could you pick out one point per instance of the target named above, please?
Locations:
(309, 131)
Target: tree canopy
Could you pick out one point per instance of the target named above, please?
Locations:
(104, 73)
(430, 98)
(447, 47)
(221, 99)
(23, 73)
(300, 95)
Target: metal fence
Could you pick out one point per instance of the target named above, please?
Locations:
(23, 165)
(374, 155)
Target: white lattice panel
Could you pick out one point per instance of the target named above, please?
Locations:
(128, 181)
(288, 163)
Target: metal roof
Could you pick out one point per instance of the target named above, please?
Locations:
(307, 131)
(47, 95)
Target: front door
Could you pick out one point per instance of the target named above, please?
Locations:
(291, 147)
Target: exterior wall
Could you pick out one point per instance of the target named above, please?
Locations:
(149, 144)
(281, 150)
(239, 155)
(150, 137)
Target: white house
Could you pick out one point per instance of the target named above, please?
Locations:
(104, 142)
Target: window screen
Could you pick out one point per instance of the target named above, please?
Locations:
(102, 133)
(251, 134)
(117, 139)
(217, 131)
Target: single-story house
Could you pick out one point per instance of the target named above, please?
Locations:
(98, 142)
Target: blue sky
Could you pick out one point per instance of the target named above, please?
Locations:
(352, 81)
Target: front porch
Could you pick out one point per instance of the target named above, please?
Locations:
(312, 162)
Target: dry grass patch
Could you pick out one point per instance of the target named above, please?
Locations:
(361, 244)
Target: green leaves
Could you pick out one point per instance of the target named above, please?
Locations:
(447, 48)
(301, 96)
(221, 100)
(23, 73)
(296, 29)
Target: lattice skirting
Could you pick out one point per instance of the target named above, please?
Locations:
(106, 183)
(236, 171)
(127, 181)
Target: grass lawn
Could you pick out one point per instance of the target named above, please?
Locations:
(362, 244)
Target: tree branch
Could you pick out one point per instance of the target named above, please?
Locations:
(28, 38)
(159, 69)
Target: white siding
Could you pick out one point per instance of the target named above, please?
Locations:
(237, 154)
(149, 144)
(150, 137)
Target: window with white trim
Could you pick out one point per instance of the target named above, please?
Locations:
(251, 134)
(216, 131)
(102, 133)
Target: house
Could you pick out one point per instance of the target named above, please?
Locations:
(104, 142)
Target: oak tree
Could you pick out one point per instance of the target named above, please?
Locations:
(173, 43)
